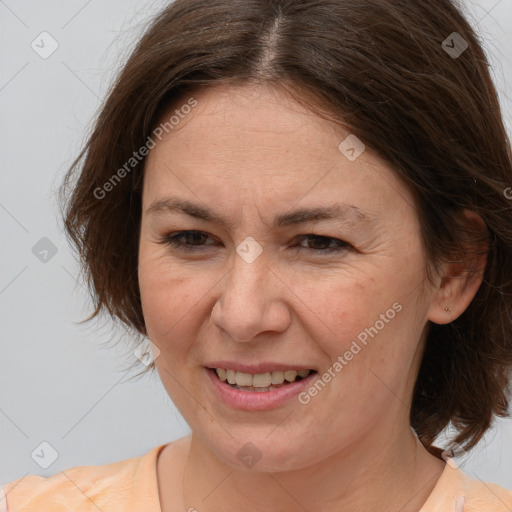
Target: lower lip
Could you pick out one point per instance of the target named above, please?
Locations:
(257, 400)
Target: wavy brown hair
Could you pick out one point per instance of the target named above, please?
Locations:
(378, 68)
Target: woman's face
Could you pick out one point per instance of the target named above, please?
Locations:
(275, 287)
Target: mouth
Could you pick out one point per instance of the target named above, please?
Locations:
(259, 382)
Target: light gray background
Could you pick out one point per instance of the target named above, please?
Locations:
(57, 383)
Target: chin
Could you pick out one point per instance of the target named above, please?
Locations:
(266, 453)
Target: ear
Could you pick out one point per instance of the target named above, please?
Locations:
(462, 277)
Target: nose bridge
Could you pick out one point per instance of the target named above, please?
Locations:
(245, 287)
(248, 303)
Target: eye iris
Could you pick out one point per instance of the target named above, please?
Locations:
(318, 240)
(192, 239)
(194, 235)
(186, 240)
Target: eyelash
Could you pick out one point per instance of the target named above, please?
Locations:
(173, 240)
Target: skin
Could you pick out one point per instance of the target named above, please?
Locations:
(251, 153)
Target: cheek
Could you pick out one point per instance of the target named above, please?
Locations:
(168, 299)
(367, 320)
(376, 355)
(339, 305)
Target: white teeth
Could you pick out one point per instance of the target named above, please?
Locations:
(259, 380)
(231, 376)
(243, 379)
(277, 377)
(290, 375)
(221, 373)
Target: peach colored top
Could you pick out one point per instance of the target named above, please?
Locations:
(131, 486)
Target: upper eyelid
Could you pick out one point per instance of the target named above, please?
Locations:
(185, 232)
(198, 231)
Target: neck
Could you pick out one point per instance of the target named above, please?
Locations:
(390, 470)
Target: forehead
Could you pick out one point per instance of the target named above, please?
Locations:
(257, 142)
(240, 121)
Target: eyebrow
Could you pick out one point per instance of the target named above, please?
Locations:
(299, 216)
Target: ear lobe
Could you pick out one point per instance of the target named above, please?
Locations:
(462, 276)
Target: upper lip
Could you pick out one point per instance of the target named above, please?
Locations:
(254, 368)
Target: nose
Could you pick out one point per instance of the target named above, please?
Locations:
(251, 301)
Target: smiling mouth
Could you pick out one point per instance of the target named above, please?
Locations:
(260, 382)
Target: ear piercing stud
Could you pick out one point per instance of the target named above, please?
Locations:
(447, 309)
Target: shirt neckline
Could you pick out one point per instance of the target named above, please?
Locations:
(145, 487)
(448, 493)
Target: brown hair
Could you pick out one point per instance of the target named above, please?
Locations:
(377, 67)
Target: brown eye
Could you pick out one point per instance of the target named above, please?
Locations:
(186, 240)
(324, 244)
(193, 240)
